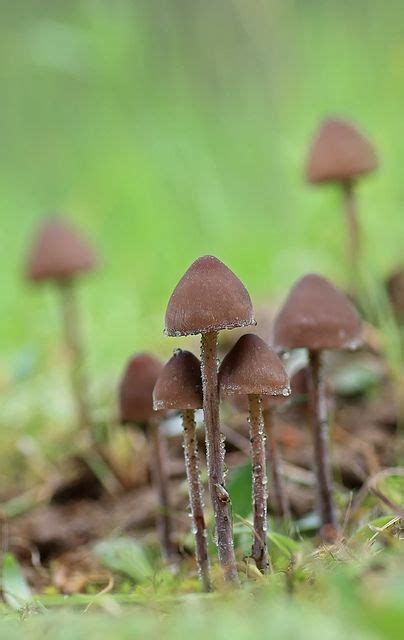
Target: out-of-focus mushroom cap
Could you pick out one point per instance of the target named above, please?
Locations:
(136, 389)
(317, 316)
(252, 367)
(179, 385)
(339, 153)
(59, 253)
(209, 297)
(395, 290)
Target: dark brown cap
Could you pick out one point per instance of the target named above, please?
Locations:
(339, 153)
(59, 253)
(298, 388)
(395, 290)
(179, 385)
(209, 297)
(136, 388)
(252, 367)
(317, 316)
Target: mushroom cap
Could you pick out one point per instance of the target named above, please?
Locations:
(136, 388)
(179, 385)
(298, 387)
(209, 297)
(317, 316)
(252, 367)
(59, 253)
(339, 153)
(395, 290)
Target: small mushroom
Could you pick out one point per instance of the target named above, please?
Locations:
(60, 255)
(395, 291)
(136, 407)
(341, 154)
(251, 368)
(179, 386)
(317, 317)
(207, 299)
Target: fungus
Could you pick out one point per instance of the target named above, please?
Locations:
(251, 368)
(179, 386)
(317, 317)
(207, 299)
(341, 154)
(60, 255)
(136, 407)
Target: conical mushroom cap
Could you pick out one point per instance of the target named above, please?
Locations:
(179, 385)
(136, 389)
(298, 387)
(59, 253)
(317, 316)
(339, 153)
(209, 297)
(252, 367)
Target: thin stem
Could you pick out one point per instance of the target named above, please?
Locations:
(259, 483)
(195, 498)
(74, 343)
(353, 226)
(277, 488)
(158, 465)
(215, 458)
(322, 461)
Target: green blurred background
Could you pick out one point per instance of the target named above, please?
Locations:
(167, 130)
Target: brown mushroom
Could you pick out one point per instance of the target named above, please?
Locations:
(179, 386)
(207, 299)
(316, 316)
(395, 291)
(136, 407)
(252, 369)
(59, 254)
(341, 154)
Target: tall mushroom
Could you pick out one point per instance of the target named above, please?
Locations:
(136, 407)
(179, 386)
(251, 368)
(60, 255)
(341, 154)
(317, 317)
(207, 299)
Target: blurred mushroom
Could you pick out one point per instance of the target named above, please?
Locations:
(341, 154)
(207, 299)
(136, 407)
(317, 316)
(179, 386)
(251, 368)
(60, 255)
(395, 290)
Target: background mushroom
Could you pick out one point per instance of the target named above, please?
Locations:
(60, 255)
(207, 299)
(136, 407)
(179, 386)
(251, 368)
(341, 154)
(317, 316)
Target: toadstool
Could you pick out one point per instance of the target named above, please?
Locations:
(253, 369)
(179, 386)
(136, 407)
(317, 317)
(209, 298)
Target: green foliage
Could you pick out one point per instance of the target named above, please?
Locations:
(15, 589)
(125, 556)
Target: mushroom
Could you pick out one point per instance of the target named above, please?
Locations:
(251, 368)
(317, 317)
(395, 291)
(341, 154)
(59, 254)
(136, 407)
(207, 299)
(179, 386)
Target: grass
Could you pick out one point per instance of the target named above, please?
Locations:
(166, 131)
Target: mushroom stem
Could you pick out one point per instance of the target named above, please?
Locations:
(274, 462)
(215, 458)
(158, 465)
(75, 345)
(352, 220)
(322, 461)
(195, 497)
(259, 483)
